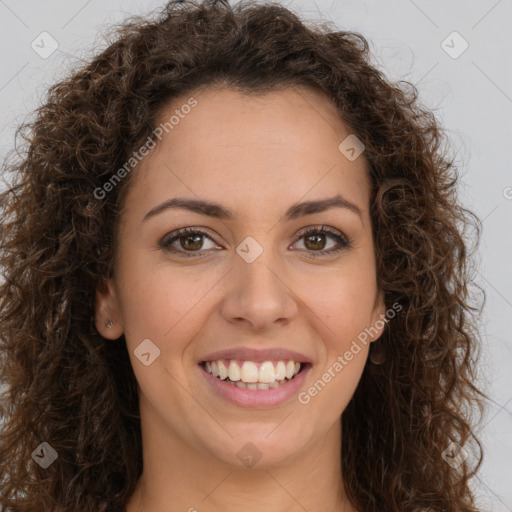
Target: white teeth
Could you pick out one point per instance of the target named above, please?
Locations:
(290, 369)
(234, 371)
(223, 371)
(254, 385)
(249, 372)
(280, 371)
(269, 374)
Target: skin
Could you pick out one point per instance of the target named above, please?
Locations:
(256, 155)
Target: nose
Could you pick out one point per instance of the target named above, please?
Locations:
(258, 295)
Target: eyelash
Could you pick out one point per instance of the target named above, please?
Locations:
(343, 242)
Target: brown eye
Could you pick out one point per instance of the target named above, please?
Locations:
(186, 240)
(316, 240)
(191, 242)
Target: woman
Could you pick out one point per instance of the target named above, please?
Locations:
(235, 275)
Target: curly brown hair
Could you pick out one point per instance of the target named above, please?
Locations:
(67, 385)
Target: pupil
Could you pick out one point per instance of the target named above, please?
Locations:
(197, 242)
(317, 243)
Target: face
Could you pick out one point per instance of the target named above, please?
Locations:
(255, 277)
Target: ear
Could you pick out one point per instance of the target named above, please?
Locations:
(107, 309)
(378, 317)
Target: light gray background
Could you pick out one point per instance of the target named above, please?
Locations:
(472, 95)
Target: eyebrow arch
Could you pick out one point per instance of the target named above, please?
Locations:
(218, 211)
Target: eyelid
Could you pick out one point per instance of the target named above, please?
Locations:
(177, 233)
(320, 228)
(342, 240)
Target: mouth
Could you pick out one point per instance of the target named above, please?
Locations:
(255, 375)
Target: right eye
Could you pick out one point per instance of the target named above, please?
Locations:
(190, 240)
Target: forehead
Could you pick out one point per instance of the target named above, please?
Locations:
(243, 150)
(297, 117)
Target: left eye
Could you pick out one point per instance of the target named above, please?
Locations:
(316, 235)
(191, 241)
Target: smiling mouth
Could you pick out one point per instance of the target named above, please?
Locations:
(253, 375)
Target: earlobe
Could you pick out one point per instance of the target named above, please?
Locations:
(106, 314)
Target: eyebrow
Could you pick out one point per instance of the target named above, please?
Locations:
(218, 211)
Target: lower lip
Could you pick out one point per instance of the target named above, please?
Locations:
(256, 397)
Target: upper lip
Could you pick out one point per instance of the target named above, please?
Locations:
(256, 355)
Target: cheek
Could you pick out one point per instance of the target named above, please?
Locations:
(158, 302)
(166, 308)
(344, 301)
(163, 302)
(345, 308)
(334, 383)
